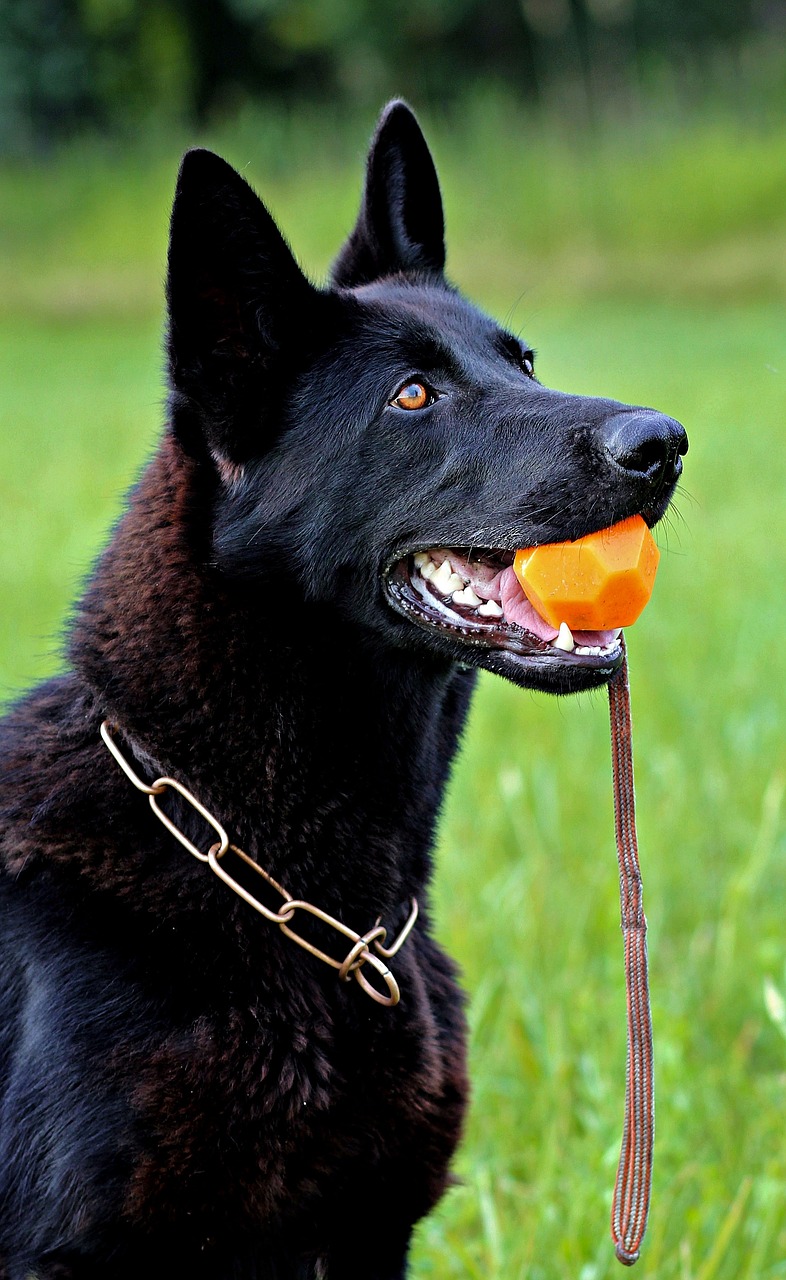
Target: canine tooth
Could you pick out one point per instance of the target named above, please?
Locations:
(565, 639)
(428, 570)
(421, 558)
(467, 596)
(442, 577)
(490, 609)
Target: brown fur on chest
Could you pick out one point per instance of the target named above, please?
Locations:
(250, 1117)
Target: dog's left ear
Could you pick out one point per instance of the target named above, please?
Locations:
(236, 299)
(400, 227)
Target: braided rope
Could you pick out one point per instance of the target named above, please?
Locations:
(631, 1200)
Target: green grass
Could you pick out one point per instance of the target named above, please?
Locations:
(527, 881)
(652, 205)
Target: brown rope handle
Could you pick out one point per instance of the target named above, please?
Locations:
(630, 1204)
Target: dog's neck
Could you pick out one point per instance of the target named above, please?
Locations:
(292, 730)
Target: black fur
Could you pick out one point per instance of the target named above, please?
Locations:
(183, 1090)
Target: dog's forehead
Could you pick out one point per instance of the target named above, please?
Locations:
(429, 316)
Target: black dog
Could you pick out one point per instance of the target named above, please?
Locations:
(286, 621)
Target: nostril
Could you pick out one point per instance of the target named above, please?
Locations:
(643, 457)
(647, 444)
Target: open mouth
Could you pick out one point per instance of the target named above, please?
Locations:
(474, 597)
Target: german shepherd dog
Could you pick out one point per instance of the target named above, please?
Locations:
(287, 622)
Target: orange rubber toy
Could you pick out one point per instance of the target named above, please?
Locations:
(598, 583)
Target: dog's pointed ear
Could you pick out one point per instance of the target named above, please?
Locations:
(400, 227)
(235, 293)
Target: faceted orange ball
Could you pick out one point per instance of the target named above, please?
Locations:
(598, 583)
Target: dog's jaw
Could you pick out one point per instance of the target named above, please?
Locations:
(457, 599)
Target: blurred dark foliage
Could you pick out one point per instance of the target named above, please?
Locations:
(71, 65)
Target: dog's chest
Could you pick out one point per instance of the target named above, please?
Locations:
(243, 1116)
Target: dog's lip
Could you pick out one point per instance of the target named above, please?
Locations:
(500, 637)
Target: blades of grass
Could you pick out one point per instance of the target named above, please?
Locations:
(744, 884)
(770, 1191)
(709, 1268)
(489, 1218)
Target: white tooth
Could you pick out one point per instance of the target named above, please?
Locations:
(615, 635)
(490, 609)
(565, 639)
(421, 558)
(455, 583)
(467, 596)
(428, 570)
(442, 577)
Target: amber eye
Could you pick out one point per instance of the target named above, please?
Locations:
(414, 395)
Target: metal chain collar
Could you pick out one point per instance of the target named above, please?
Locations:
(360, 952)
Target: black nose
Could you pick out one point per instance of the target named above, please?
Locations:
(647, 444)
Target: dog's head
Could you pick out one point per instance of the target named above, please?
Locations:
(380, 446)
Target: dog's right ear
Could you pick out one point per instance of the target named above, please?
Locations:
(400, 227)
(235, 295)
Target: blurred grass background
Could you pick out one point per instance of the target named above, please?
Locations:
(637, 237)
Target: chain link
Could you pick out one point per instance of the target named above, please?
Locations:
(359, 953)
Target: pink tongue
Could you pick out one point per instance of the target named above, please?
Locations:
(505, 588)
(518, 609)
